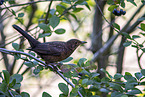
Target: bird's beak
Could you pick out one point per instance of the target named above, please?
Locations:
(83, 42)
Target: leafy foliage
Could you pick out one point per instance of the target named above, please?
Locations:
(83, 74)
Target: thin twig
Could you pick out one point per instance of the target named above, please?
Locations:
(138, 58)
(9, 91)
(66, 10)
(32, 2)
(47, 14)
(105, 18)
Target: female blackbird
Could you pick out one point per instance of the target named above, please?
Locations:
(51, 52)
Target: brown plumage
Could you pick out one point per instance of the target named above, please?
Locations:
(51, 52)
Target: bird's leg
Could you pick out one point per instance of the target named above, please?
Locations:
(52, 66)
(48, 65)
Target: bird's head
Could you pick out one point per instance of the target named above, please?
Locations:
(74, 43)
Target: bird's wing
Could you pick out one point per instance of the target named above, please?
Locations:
(49, 49)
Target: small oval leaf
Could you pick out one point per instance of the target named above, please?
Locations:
(6, 76)
(15, 46)
(127, 43)
(60, 31)
(45, 94)
(64, 88)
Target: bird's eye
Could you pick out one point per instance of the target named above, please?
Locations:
(76, 43)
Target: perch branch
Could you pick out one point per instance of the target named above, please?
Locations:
(42, 64)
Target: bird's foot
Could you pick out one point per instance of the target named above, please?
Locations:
(52, 66)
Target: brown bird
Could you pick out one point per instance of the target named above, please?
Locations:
(51, 52)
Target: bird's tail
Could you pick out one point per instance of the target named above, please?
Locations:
(33, 42)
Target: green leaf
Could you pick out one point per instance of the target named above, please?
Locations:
(118, 76)
(14, 93)
(12, 2)
(78, 9)
(94, 75)
(84, 81)
(116, 86)
(35, 62)
(25, 94)
(29, 64)
(52, 11)
(17, 56)
(127, 43)
(54, 21)
(124, 95)
(41, 35)
(143, 72)
(75, 90)
(81, 62)
(32, 53)
(129, 86)
(64, 88)
(142, 83)
(81, 2)
(127, 73)
(138, 75)
(3, 87)
(104, 90)
(135, 36)
(13, 12)
(36, 71)
(143, 2)
(129, 77)
(12, 83)
(74, 16)
(142, 78)
(126, 35)
(135, 46)
(45, 94)
(60, 31)
(116, 26)
(6, 76)
(73, 94)
(87, 5)
(74, 81)
(110, 2)
(15, 46)
(67, 59)
(60, 9)
(45, 27)
(18, 77)
(112, 7)
(143, 49)
(20, 14)
(132, 1)
(67, 1)
(143, 26)
(133, 92)
(106, 72)
(122, 4)
(17, 86)
(141, 45)
(62, 95)
(67, 74)
(116, 94)
(105, 80)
